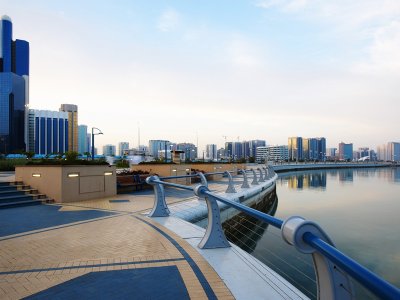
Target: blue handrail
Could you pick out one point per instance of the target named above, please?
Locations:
(371, 281)
(194, 175)
(180, 186)
(248, 210)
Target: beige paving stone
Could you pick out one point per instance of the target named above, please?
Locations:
(97, 246)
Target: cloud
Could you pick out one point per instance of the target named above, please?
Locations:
(243, 53)
(169, 20)
(384, 51)
(372, 27)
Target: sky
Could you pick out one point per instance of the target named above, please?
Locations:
(189, 71)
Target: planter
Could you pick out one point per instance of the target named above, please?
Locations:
(65, 183)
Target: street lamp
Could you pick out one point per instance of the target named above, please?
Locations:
(93, 134)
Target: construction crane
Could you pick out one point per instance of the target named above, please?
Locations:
(224, 136)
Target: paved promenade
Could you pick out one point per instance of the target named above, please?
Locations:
(100, 249)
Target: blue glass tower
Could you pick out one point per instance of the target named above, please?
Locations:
(14, 95)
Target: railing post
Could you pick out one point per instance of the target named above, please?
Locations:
(231, 187)
(254, 182)
(332, 282)
(203, 179)
(261, 176)
(245, 184)
(214, 236)
(271, 171)
(266, 176)
(160, 208)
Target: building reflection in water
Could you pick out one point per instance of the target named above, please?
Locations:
(346, 175)
(305, 180)
(317, 179)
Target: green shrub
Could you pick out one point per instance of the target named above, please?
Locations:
(9, 164)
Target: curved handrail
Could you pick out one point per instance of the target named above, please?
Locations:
(306, 236)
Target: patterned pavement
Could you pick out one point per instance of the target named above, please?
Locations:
(91, 254)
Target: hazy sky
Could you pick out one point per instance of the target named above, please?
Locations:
(242, 69)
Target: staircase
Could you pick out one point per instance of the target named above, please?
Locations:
(16, 193)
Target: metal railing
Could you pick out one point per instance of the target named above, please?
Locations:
(332, 267)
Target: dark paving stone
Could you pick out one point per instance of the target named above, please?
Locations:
(22, 219)
(118, 201)
(146, 283)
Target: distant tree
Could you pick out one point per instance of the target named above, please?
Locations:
(71, 155)
(123, 163)
(252, 159)
(87, 155)
(29, 154)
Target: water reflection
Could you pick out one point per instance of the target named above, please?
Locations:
(244, 230)
(360, 217)
(265, 243)
(317, 179)
(305, 180)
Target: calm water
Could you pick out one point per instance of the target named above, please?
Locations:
(358, 208)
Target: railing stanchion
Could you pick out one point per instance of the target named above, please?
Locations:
(261, 176)
(332, 282)
(160, 208)
(203, 179)
(231, 187)
(245, 184)
(214, 236)
(266, 176)
(254, 182)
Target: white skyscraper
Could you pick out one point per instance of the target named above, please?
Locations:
(211, 152)
(122, 148)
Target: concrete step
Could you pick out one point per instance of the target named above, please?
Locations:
(17, 192)
(15, 198)
(14, 187)
(5, 183)
(25, 203)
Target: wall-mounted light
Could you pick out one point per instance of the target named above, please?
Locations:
(73, 175)
(108, 173)
(36, 175)
(173, 170)
(187, 170)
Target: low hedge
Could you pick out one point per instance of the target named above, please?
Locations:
(53, 162)
(9, 164)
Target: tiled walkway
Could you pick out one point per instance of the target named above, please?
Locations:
(101, 249)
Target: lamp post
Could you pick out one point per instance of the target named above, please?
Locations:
(93, 134)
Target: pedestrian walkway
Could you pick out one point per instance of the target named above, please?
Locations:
(100, 249)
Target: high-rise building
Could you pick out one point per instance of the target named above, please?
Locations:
(307, 148)
(220, 153)
(393, 151)
(156, 145)
(83, 145)
(109, 150)
(211, 152)
(331, 153)
(253, 144)
(47, 131)
(314, 148)
(123, 147)
(228, 150)
(295, 148)
(271, 153)
(381, 152)
(237, 150)
(14, 89)
(345, 151)
(190, 151)
(72, 111)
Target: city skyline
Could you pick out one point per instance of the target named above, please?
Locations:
(255, 69)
